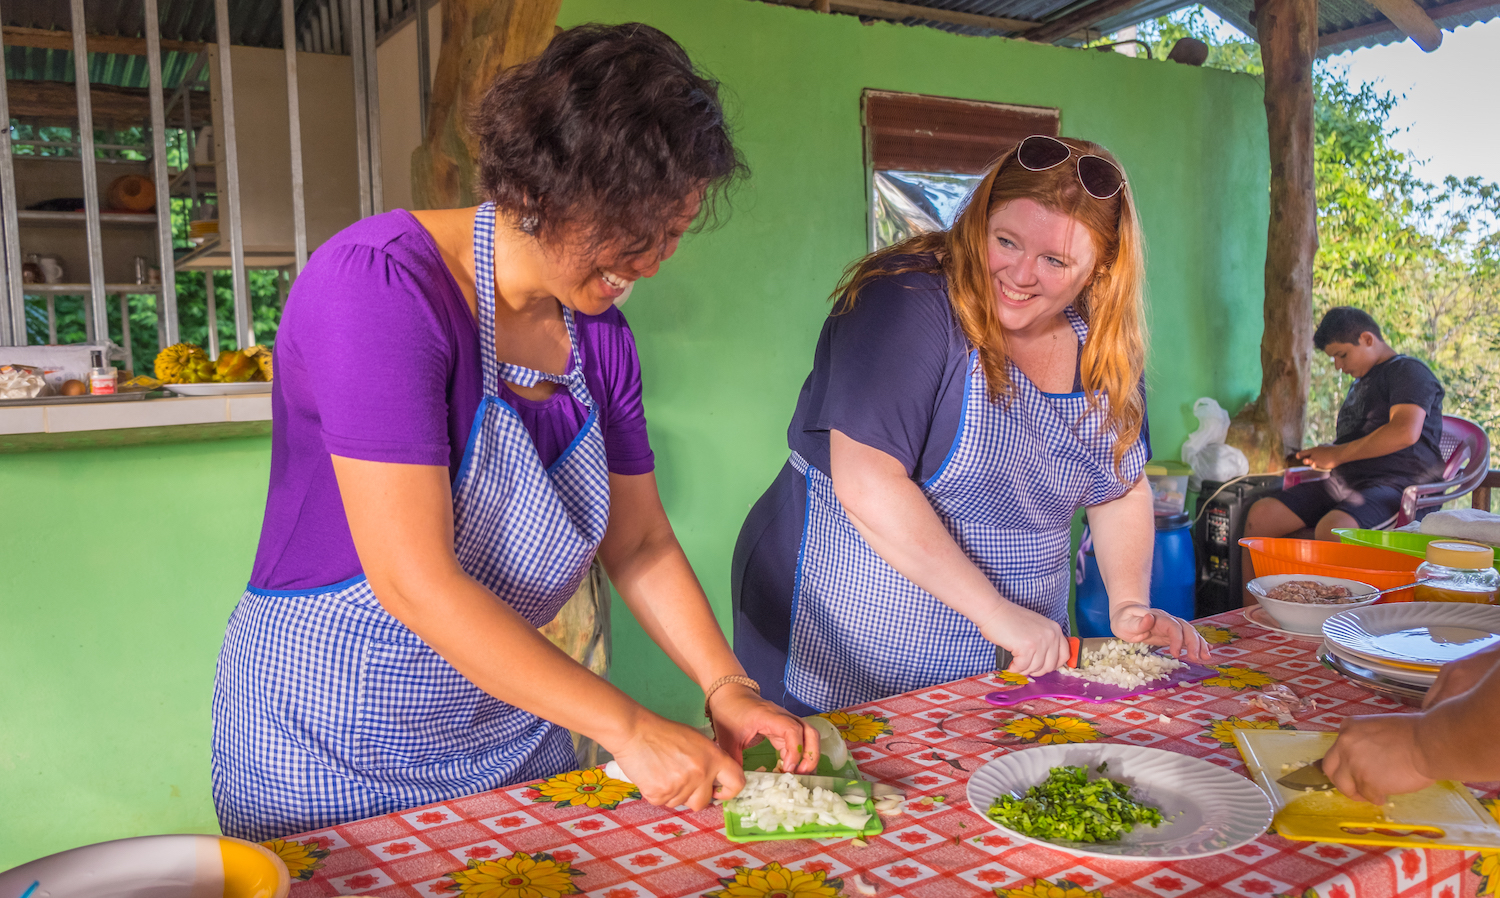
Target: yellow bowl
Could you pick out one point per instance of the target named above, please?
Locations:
(185, 866)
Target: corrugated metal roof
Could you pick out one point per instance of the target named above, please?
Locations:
(1334, 16)
(254, 23)
(1342, 16)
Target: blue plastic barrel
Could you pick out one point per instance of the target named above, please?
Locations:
(1172, 573)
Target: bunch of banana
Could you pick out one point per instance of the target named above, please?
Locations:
(183, 363)
(234, 367)
(262, 357)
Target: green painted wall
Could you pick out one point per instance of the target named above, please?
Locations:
(109, 627)
(107, 644)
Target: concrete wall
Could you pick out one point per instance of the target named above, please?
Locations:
(119, 567)
(400, 116)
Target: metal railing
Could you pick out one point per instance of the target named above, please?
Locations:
(349, 26)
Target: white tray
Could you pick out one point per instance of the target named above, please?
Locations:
(254, 386)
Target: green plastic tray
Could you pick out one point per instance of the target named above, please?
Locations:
(763, 754)
(1413, 544)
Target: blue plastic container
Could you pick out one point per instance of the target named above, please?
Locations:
(1173, 570)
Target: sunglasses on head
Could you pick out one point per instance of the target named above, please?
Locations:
(1100, 178)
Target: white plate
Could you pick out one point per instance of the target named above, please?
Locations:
(1208, 809)
(1422, 678)
(1259, 617)
(1429, 633)
(254, 386)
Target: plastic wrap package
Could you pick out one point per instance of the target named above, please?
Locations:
(905, 204)
(20, 382)
(1205, 450)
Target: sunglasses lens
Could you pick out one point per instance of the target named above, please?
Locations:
(1039, 153)
(1100, 178)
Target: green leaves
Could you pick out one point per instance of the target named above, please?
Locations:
(1067, 806)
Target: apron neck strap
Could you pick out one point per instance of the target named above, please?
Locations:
(484, 288)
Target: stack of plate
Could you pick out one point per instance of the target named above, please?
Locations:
(1398, 649)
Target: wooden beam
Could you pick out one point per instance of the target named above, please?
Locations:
(1384, 27)
(56, 101)
(481, 38)
(1413, 22)
(1079, 19)
(885, 9)
(1273, 425)
(48, 39)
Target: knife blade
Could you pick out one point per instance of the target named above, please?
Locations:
(1308, 778)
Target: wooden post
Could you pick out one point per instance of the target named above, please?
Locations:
(1273, 425)
(481, 38)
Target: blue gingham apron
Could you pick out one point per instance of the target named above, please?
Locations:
(1016, 474)
(328, 709)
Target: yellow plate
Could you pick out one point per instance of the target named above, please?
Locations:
(1444, 815)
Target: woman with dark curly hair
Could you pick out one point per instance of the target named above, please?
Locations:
(458, 432)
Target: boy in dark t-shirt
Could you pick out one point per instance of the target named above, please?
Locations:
(1389, 428)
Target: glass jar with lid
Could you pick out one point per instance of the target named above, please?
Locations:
(1458, 571)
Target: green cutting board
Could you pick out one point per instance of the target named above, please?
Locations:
(763, 755)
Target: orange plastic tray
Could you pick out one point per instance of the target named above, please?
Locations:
(1381, 568)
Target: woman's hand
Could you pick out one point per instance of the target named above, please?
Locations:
(1377, 756)
(674, 765)
(1458, 677)
(1037, 644)
(1138, 622)
(741, 717)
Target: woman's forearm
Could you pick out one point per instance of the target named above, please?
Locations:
(648, 568)
(1124, 536)
(890, 511)
(401, 519)
(502, 653)
(1456, 737)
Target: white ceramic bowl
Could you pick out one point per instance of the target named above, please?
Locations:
(157, 866)
(1300, 618)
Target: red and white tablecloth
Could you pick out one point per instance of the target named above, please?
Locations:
(581, 833)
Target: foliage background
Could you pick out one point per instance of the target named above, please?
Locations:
(192, 305)
(1422, 258)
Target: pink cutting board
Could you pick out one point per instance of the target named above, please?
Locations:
(1055, 685)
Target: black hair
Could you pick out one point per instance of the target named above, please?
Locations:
(603, 138)
(1344, 324)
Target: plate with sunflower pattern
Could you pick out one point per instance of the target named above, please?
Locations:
(1208, 809)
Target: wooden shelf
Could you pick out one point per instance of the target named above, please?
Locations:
(41, 218)
(85, 289)
(168, 419)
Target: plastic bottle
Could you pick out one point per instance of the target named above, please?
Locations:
(101, 376)
(1458, 571)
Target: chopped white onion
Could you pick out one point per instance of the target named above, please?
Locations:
(772, 802)
(1123, 664)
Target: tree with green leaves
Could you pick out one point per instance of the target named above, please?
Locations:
(1422, 258)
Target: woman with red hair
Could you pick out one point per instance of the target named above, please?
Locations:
(971, 390)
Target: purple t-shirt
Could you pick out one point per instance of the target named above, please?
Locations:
(377, 358)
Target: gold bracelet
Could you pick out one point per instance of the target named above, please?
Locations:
(725, 681)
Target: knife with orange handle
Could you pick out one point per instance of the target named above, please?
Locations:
(1076, 648)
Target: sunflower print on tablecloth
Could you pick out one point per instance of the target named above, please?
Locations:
(521, 875)
(1215, 635)
(858, 727)
(778, 881)
(1487, 864)
(589, 788)
(302, 859)
(1042, 888)
(1012, 679)
(1238, 677)
(1223, 730)
(1051, 730)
